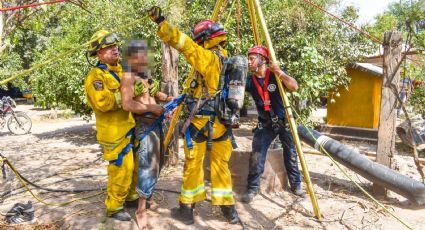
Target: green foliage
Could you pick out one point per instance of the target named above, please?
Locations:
(384, 22)
(407, 17)
(417, 101)
(417, 97)
(311, 47)
(62, 83)
(9, 64)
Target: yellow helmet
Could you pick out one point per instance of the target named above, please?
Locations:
(100, 40)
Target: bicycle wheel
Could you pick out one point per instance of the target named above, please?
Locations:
(19, 123)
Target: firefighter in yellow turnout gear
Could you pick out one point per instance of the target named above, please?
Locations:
(114, 125)
(201, 51)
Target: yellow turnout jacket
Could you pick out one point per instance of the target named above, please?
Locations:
(112, 122)
(203, 60)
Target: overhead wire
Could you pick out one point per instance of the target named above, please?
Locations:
(30, 5)
(26, 72)
(351, 25)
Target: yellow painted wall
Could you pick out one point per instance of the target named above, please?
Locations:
(360, 105)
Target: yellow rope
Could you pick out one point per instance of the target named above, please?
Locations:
(355, 183)
(61, 56)
(3, 159)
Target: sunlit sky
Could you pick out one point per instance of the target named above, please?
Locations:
(368, 9)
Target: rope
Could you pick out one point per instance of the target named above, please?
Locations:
(223, 7)
(351, 25)
(238, 28)
(355, 183)
(30, 5)
(61, 56)
(375, 39)
(25, 183)
(5, 160)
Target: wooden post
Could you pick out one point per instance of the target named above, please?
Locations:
(170, 86)
(387, 118)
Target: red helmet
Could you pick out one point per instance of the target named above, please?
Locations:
(205, 30)
(261, 50)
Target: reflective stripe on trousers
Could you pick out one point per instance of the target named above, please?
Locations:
(193, 174)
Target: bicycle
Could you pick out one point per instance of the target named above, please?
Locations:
(17, 123)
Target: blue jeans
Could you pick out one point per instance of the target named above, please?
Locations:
(149, 159)
(260, 144)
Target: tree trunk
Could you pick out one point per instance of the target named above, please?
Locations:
(169, 85)
(387, 120)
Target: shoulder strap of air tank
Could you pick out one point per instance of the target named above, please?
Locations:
(223, 66)
(104, 67)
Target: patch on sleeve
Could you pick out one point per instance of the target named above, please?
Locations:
(98, 85)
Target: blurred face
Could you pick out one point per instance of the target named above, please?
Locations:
(109, 55)
(138, 61)
(253, 61)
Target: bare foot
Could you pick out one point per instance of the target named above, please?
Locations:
(142, 219)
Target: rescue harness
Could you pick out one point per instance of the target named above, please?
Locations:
(272, 121)
(224, 105)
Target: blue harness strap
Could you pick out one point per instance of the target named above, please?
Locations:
(158, 122)
(104, 67)
(169, 107)
(118, 161)
(232, 137)
(188, 139)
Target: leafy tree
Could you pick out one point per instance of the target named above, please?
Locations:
(312, 47)
(407, 17)
(19, 34)
(417, 100)
(60, 84)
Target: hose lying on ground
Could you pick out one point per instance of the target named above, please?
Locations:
(377, 173)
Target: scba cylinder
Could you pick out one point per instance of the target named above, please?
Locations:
(237, 70)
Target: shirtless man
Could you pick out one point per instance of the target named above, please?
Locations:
(138, 86)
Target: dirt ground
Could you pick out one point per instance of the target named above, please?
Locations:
(63, 153)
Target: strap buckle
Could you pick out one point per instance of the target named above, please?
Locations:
(260, 125)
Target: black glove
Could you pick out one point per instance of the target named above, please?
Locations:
(155, 14)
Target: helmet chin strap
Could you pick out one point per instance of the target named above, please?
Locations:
(88, 60)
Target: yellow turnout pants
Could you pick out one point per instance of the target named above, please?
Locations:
(122, 182)
(193, 188)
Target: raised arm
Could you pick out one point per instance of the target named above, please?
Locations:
(202, 60)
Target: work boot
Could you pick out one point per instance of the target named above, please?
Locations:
(184, 213)
(121, 215)
(249, 196)
(298, 192)
(131, 204)
(230, 213)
